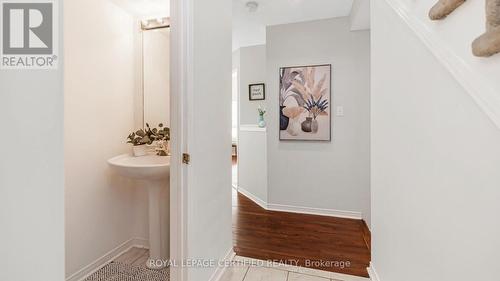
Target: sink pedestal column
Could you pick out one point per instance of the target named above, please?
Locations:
(156, 260)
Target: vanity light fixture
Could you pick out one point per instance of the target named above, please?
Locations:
(149, 24)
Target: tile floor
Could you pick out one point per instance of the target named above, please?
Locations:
(247, 269)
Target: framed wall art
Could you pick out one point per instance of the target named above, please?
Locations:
(305, 103)
(257, 91)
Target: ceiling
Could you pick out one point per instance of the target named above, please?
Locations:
(360, 15)
(145, 9)
(249, 28)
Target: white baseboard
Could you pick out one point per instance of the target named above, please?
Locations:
(219, 271)
(107, 258)
(315, 211)
(252, 197)
(300, 209)
(373, 273)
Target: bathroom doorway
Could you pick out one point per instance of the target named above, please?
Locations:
(116, 83)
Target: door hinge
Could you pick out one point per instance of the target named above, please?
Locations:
(186, 158)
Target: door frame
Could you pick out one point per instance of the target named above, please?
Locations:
(236, 71)
(180, 91)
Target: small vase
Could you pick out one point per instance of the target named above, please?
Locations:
(306, 125)
(262, 122)
(284, 120)
(140, 150)
(293, 127)
(314, 126)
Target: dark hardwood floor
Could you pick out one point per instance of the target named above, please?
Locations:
(269, 235)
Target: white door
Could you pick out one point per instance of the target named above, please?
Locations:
(201, 126)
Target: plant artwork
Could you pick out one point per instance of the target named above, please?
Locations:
(304, 100)
(488, 43)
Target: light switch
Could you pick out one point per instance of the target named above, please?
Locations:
(340, 111)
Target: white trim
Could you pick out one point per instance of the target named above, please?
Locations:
(220, 270)
(373, 273)
(108, 257)
(369, 225)
(315, 211)
(253, 197)
(180, 65)
(300, 209)
(252, 128)
(479, 88)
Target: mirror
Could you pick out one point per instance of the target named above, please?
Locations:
(156, 75)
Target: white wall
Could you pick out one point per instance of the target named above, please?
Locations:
(102, 209)
(252, 162)
(236, 59)
(477, 75)
(457, 32)
(435, 160)
(32, 173)
(209, 131)
(252, 70)
(330, 175)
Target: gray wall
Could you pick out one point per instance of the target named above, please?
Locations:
(332, 175)
(31, 173)
(435, 165)
(252, 70)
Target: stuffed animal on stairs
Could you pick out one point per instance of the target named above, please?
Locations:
(485, 45)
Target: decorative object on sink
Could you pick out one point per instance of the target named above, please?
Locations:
(161, 137)
(262, 122)
(139, 140)
(142, 138)
(485, 45)
(162, 148)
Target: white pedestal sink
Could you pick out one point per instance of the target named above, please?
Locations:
(153, 172)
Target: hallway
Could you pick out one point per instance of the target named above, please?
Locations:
(319, 242)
